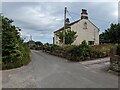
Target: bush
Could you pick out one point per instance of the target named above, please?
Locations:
(118, 49)
(84, 49)
(14, 52)
(19, 58)
(54, 47)
(99, 51)
(81, 52)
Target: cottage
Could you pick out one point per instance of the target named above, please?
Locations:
(31, 44)
(85, 29)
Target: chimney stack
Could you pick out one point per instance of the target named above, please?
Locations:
(67, 21)
(84, 14)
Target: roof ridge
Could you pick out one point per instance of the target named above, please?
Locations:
(69, 24)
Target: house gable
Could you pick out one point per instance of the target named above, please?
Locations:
(85, 29)
(71, 24)
(67, 27)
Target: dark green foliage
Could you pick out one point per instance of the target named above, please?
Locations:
(84, 49)
(38, 45)
(60, 35)
(111, 35)
(54, 47)
(46, 47)
(70, 36)
(81, 52)
(118, 49)
(14, 52)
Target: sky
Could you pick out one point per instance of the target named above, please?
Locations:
(41, 19)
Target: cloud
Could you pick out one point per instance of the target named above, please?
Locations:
(41, 19)
(60, 0)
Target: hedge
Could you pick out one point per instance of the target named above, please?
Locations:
(80, 52)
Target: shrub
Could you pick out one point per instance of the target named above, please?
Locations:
(14, 52)
(73, 51)
(118, 49)
(82, 51)
(19, 58)
(46, 47)
(99, 51)
(54, 47)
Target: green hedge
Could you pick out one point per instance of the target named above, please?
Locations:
(15, 52)
(118, 49)
(80, 52)
(22, 57)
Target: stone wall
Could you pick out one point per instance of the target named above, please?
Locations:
(114, 60)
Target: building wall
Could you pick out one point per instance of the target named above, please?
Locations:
(89, 34)
(56, 39)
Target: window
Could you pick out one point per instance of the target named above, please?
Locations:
(91, 42)
(85, 25)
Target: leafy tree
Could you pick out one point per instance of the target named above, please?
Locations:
(69, 35)
(38, 43)
(118, 49)
(111, 35)
(10, 37)
(84, 49)
(14, 52)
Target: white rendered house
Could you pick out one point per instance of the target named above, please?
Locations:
(85, 29)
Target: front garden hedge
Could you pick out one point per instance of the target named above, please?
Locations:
(80, 52)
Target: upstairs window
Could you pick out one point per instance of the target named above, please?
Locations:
(85, 25)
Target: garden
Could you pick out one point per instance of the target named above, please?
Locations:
(80, 52)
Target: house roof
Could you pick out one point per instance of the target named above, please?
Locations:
(31, 41)
(67, 27)
(74, 23)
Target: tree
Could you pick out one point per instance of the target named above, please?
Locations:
(10, 37)
(38, 43)
(14, 52)
(69, 35)
(111, 35)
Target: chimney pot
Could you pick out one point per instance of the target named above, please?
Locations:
(84, 14)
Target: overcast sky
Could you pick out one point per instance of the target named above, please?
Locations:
(41, 19)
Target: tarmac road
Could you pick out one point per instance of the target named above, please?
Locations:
(47, 71)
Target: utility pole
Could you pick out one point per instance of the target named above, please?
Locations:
(94, 37)
(64, 25)
(30, 37)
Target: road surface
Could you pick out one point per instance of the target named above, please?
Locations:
(47, 71)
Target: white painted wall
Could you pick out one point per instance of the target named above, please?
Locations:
(56, 39)
(83, 34)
